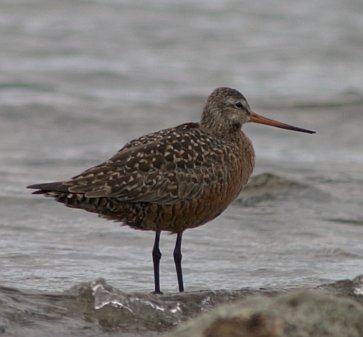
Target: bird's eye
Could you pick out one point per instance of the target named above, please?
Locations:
(239, 105)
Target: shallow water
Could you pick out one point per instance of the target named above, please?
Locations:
(78, 79)
(98, 309)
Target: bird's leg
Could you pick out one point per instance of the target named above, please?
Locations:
(178, 260)
(156, 262)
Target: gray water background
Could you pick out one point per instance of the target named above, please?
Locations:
(78, 79)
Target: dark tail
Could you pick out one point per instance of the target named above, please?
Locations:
(60, 193)
(49, 187)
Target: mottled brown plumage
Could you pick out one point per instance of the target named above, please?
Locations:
(173, 179)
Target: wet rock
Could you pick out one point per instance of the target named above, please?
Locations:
(295, 314)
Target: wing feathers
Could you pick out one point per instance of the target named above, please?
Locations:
(163, 167)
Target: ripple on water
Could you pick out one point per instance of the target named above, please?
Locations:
(267, 187)
(354, 222)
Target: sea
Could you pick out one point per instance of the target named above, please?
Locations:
(81, 78)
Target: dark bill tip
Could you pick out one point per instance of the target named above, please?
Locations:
(255, 118)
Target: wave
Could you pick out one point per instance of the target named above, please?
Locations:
(96, 308)
(267, 187)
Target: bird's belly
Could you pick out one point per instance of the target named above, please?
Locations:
(183, 214)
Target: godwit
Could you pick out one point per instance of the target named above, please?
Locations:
(173, 179)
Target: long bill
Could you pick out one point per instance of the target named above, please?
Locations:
(255, 118)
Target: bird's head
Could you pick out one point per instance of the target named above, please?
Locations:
(226, 110)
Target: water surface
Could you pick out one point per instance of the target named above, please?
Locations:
(78, 79)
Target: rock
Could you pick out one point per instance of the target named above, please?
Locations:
(294, 314)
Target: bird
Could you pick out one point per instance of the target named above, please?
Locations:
(173, 179)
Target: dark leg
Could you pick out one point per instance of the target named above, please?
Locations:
(178, 260)
(156, 262)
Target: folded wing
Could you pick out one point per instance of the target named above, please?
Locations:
(163, 167)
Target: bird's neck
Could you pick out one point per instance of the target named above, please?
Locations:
(212, 122)
(223, 131)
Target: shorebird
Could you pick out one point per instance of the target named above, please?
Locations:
(173, 179)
